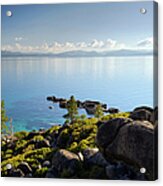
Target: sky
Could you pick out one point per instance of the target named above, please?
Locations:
(58, 28)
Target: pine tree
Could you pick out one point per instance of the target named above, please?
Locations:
(72, 109)
(99, 111)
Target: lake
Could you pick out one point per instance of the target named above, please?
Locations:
(122, 82)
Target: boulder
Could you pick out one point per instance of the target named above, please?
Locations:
(41, 143)
(142, 113)
(64, 160)
(52, 173)
(108, 131)
(149, 109)
(128, 141)
(63, 104)
(53, 99)
(16, 173)
(31, 135)
(90, 106)
(93, 156)
(113, 110)
(46, 163)
(25, 168)
(121, 171)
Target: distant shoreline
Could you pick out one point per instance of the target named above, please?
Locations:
(84, 54)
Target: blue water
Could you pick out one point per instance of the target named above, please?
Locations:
(123, 82)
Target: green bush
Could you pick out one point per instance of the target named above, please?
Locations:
(38, 138)
(41, 173)
(21, 135)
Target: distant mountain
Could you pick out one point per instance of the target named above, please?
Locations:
(81, 53)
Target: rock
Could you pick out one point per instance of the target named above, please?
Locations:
(111, 171)
(93, 156)
(113, 110)
(46, 163)
(31, 135)
(52, 173)
(121, 171)
(52, 98)
(29, 175)
(63, 104)
(16, 173)
(154, 118)
(79, 104)
(81, 157)
(108, 130)
(142, 113)
(24, 166)
(50, 107)
(65, 160)
(144, 108)
(128, 141)
(90, 106)
(42, 143)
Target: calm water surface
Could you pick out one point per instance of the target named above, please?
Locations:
(123, 82)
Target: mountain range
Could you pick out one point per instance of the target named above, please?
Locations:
(80, 53)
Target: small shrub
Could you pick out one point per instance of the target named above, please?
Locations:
(21, 135)
(40, 173)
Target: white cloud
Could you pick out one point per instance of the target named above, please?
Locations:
(147, 42)
(18, 38)
(94, 45)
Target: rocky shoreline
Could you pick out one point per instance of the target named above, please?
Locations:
(116, 146)
(88, 105)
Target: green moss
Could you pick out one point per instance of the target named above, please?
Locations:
(53, 129)
(21, 135)
(83, 144)
(40, 173)
(34, 155)
(117, 115)
(29, 148)
(64, 138)
(38, 138)
(76, 137)
(9, 151)
(74, 147)
(20, 144)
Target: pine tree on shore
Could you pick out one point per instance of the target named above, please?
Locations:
(99, 112)
(72, 109)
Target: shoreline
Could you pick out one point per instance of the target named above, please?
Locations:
(37, 153)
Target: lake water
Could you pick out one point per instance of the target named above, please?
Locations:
(123, 82)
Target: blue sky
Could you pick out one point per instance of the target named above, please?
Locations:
(88, 26)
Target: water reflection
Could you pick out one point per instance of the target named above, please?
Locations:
(121, 82)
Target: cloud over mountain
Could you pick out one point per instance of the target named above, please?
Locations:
(58, 47)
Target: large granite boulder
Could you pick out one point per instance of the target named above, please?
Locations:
(129, 141)
(94, 157)
(66, 161)
(142, 113)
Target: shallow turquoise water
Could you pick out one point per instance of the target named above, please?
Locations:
(123, 82)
